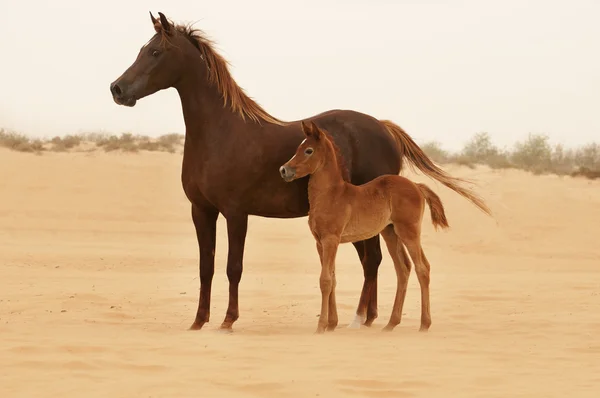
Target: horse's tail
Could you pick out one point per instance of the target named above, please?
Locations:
(409, 149)
(438, 215)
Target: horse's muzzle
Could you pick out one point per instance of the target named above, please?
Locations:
(119, 95)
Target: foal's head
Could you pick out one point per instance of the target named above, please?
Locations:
(160, 63)
(309, 156)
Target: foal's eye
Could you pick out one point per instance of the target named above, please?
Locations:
(155, 53)
(308, 151)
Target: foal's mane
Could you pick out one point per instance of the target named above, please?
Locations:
(337, 154)
(219, 75)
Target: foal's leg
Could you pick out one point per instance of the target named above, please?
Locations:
(330, 246)
(332, 314)
(205, 222)
(237, 225)
(402, 267)
(422, 267)
(369, 252)
(365, 294)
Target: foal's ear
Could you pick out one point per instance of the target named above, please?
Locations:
(164, 22)
(306, 129)
(316, 132)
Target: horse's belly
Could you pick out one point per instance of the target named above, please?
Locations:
(365, 228)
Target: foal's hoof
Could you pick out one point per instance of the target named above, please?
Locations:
(320, 330)
(388, 328)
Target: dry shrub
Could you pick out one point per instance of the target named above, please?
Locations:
(586, 172)
(19, 142)
(434, 150)
(126, 143)
(164, 143)
(62, 144)
(463, 161)
(534, 154)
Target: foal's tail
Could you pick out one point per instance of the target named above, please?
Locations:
(438, 216)
(409, 149)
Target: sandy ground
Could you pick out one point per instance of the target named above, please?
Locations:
(99, 284)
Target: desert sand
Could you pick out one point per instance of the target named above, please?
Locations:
(99, 283)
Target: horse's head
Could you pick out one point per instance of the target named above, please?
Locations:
(159, 64)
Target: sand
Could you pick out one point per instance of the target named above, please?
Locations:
(99, 284)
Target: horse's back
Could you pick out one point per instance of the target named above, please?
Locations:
(368, 148)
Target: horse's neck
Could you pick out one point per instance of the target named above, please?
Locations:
(323, 182)
(204, 112)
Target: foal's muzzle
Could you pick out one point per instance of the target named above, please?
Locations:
(287, 173)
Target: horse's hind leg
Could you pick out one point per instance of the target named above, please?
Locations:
(369, 252)
(422, 268)
(402, 267)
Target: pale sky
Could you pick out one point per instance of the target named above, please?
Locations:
(443, 70)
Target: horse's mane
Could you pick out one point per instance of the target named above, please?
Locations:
(337, 154)
(219, 75)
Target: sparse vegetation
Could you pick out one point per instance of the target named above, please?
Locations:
(534, 154)
(19, 142)
(126, 142)
(62, 144)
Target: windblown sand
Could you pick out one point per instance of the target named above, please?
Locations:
(99, 284)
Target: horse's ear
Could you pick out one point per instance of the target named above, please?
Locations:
(164, 22)
(306, 129)
(154, 21)
(315, 130)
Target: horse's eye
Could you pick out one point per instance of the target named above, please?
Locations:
(155, 53)
(308, 151)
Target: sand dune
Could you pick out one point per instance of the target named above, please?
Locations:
(99, 283)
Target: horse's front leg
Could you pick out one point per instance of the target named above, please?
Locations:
(205, 222)
(237, 225)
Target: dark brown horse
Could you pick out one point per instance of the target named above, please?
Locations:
(233, 150)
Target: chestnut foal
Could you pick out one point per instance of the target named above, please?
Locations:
(341, 212)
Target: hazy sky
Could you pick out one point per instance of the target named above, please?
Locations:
(443, 70)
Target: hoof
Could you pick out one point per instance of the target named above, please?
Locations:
(196, 325)
(356, 323)
(369, 322)
(388, 328)
(226, 327)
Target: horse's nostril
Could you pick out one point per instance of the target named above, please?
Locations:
(282, 171)
(115, 89)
